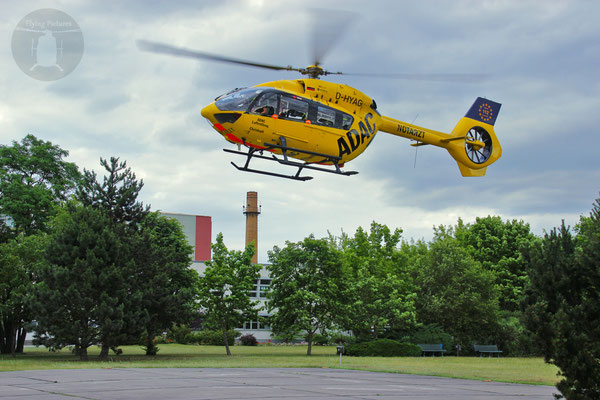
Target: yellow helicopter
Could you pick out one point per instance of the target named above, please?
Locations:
(320, 124)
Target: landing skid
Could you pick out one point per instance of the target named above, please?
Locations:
(258, 153)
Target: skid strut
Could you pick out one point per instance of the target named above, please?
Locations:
(258, 153)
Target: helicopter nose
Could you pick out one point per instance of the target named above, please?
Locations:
(208, 112)
(211, 113)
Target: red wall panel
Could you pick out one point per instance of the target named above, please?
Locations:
(203, 237)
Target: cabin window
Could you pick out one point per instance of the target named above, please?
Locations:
(238, 101)
(266, 105)
(293, 108)
(347, 121)
(325, 116)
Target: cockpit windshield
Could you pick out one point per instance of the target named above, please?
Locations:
(239, 100)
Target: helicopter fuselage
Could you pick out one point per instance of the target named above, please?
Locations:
(312, 115)
(320, 122)
(327, 123)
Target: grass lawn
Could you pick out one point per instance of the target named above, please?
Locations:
(516, 370)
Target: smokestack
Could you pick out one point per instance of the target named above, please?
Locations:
(252, 210)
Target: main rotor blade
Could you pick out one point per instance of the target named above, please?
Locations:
(327, 27)
(162, 48)
(458, 78)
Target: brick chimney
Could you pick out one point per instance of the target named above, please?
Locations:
(252, 210)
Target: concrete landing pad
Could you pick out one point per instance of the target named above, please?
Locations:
(250, 383)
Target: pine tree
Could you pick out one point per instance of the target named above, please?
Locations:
(164, 276)
(562, 304)
(116, 195)
(77, 299)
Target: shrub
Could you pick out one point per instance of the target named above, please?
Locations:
(432, 334)
(383, 348)
(513, 338)
(194, 338)
(180, 334)
(320, 340)
(287, 337)
(340, 338)
(150, 347)
(248, 340)
(214, 338)
(160, 339)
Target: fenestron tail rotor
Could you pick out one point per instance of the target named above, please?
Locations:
(478, 145)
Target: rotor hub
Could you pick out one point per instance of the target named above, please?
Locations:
(313, 71)
(478, 145)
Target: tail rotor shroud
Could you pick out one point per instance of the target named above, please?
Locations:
(477, 153)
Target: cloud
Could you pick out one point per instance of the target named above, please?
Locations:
(145, 108)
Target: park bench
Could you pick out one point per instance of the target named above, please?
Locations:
(487, 349)
(432, 348)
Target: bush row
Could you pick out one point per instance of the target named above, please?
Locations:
(383, 348)
(184, 335)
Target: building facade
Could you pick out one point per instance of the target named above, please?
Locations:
(198, 231)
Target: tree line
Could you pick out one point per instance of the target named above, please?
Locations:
(90, 264)
(82, 261)
(453, 290)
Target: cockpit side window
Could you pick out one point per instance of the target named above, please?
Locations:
(266, 105)
(325, 116)
(347, 120)
(238, 101)
(293, 108)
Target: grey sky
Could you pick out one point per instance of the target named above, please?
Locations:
(543, 57)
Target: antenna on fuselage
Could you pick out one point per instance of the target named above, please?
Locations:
(416, 147)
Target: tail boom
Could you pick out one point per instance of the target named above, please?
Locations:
(472, 142)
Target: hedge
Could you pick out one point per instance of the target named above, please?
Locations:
(383, 348)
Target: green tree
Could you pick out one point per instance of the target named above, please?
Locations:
(167, 282)
(78, 299)
(20, 258)
(307, 287)
(116, 197)
(381, 294)
(225, 289)
(562, 304)
(33, 179)
(497, 245)
(454, 291)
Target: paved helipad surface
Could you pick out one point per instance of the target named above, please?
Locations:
(250, 383)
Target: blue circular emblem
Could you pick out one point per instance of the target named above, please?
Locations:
(486, 113)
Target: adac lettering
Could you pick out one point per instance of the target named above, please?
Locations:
(407, 130)
(354, 139)
(355, 101)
